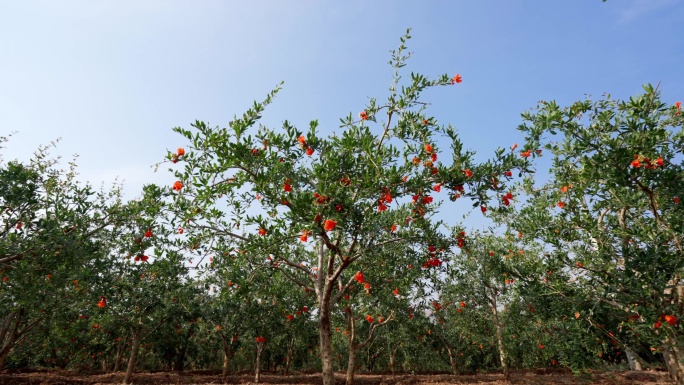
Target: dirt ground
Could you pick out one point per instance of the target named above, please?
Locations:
(527, 377)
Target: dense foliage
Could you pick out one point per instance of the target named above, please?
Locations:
(289, 250)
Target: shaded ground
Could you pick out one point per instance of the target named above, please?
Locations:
(527, 377)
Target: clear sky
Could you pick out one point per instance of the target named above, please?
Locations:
(111, 78)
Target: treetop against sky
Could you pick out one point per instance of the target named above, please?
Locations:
(112, 79)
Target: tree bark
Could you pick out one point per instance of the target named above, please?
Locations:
(290, 353)
(632, 359)
(11, 331)
(452, 360)
(351, 361)
(257, 371)
(137, 336)
(499, 335)
(392, 355)
(674, 360)
(325, 334)
(120, 348)
(226, 361)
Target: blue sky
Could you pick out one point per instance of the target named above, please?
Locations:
(111, 78)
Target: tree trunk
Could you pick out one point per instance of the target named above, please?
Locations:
(137, 336)
(452, 360)
(257, 371)
(290, 353)
(351, 360)
(120, 348)
(633, 359)
(674, 360)
(11, 332)
(226, 361)
(393, 353)
(499, 335)
(325, 334)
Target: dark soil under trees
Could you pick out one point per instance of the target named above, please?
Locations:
(527, 377)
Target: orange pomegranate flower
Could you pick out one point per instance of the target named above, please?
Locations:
(302, 140)
(363, 115)
(180, 152)
(676, 200)
(679, 107)
(370, 318)
(456, 79)
(508, 173)
(393, 228)
(561, 204)
(462, 304)
(180, 230)
(416, 160)
(437, 187)
(178, 185)
(635, 163)
(514, 146)
(287, 187)
(102, 303)
(148, 233)
(381, 207)
(525, 154)
(262, 231)
(428, 148)
(329, 224)
(358, 277)
(672, 320)
(309, 151)
(305, 236)
(366, 286)
(395, 291)
(468, 173)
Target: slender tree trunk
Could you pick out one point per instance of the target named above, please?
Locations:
(290, 353)
(351, 360)
(257, 372)
(393, 354)
(120, 348)
(137, 336)
(499, 335)
(452, 360)
(226, 361)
